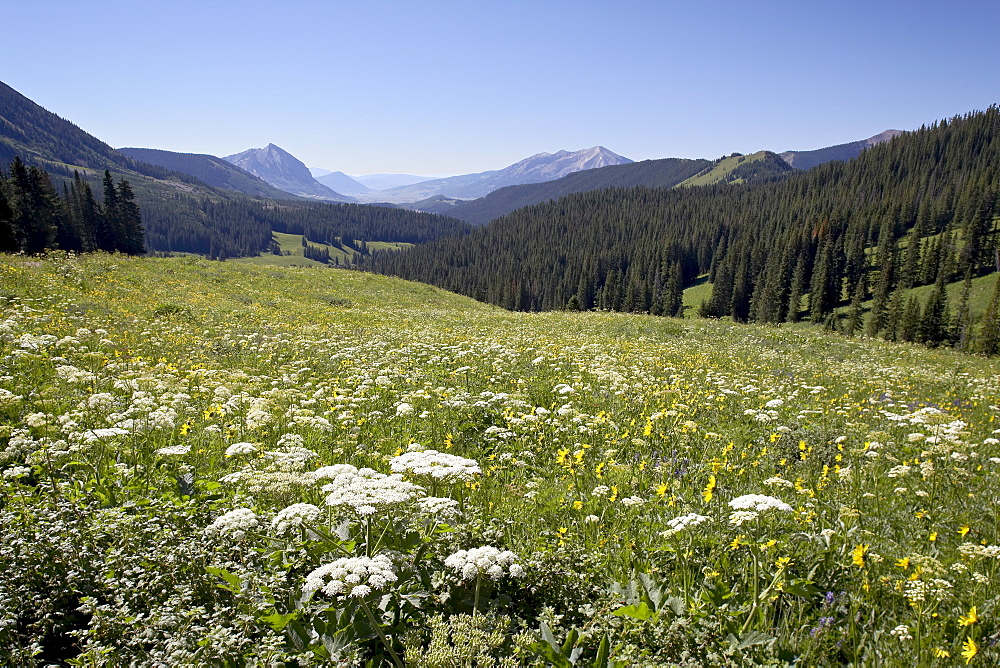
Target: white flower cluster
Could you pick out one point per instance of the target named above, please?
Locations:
(366, 491)
(233, 524)
(177, 450)
(486, 560)
(683, 522)
(294, 517)
(633, 501)
(351, 576)
(436, 506)
(748, 507)
(237, 449)
(759, 503)
(436, 466)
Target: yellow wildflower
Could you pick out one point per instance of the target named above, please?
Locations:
(969, 619)
(858, 555)
(969, 649)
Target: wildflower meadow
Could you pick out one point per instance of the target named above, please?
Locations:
(216, 463)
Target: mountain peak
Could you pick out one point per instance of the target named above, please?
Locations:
(283, 170)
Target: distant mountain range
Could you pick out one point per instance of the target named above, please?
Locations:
(665, 173)
(536, 169)
(849, 151)
(283, 170)
(386, 181)
(209, 169)
(342, 183)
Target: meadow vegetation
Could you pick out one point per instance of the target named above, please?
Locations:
(208, 463)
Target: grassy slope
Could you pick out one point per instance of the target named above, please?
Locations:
(292, 256)
(657, 408)
(722, 169)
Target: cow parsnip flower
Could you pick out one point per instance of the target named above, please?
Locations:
(487, 560)
(354, 577)
(434, 466)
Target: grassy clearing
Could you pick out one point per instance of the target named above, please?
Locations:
(722, 169)
(197, 456)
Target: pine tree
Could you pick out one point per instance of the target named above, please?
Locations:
(824, 289)
(935, 324)
(962, 328)
(909, 327)
(989, 334)
(854, 316)
(132, 236)
(798, 290)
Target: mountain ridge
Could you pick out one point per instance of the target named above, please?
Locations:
(284, 171)
(537, 168)
(848, 151)
(210, 169)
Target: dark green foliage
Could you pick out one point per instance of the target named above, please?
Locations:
(34, 218)
(650, 173)
(829, 233)
(989, 338)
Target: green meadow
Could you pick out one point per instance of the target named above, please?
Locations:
(223, 463)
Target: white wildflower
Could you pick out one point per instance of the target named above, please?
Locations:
(351, 576)
(233, 524)
(486, 560)
(240, 449)
(367, 491)
(434, 466)
(294, 517)
(759, 503)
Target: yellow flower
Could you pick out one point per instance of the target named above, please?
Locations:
(858, 555)
(969, 649)
(614, 493)
(969, 619)
(736, 542)
(903, 563)
(662, 490)
(782, 562)
(932, 537)
(963, 530)
(709, 488)
(941, 652)
(577, 505)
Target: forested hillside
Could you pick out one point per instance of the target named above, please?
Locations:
(652, 173)
(916, 210)
(179, 211)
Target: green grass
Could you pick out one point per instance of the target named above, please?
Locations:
(721, 170)
(148, 404)
(292, 252)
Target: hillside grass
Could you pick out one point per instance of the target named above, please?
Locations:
(292, 254)
(721, 170)
(168, 427)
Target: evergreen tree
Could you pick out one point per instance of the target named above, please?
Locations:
(798, 290)
(989, 334)
(962, 328)
(8, 237)
(909, 326)
(824, 289)
(934, 329)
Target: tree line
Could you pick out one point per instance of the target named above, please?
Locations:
(34, 217)
(917, 210)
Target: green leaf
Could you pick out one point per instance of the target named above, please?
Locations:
(232, 581)
(277, 621)
(642, 612)
(603, 652)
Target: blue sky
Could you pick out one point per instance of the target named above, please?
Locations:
(456, 87)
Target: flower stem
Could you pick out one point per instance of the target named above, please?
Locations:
(381, 635)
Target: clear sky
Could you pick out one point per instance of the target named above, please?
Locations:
(455, 87)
